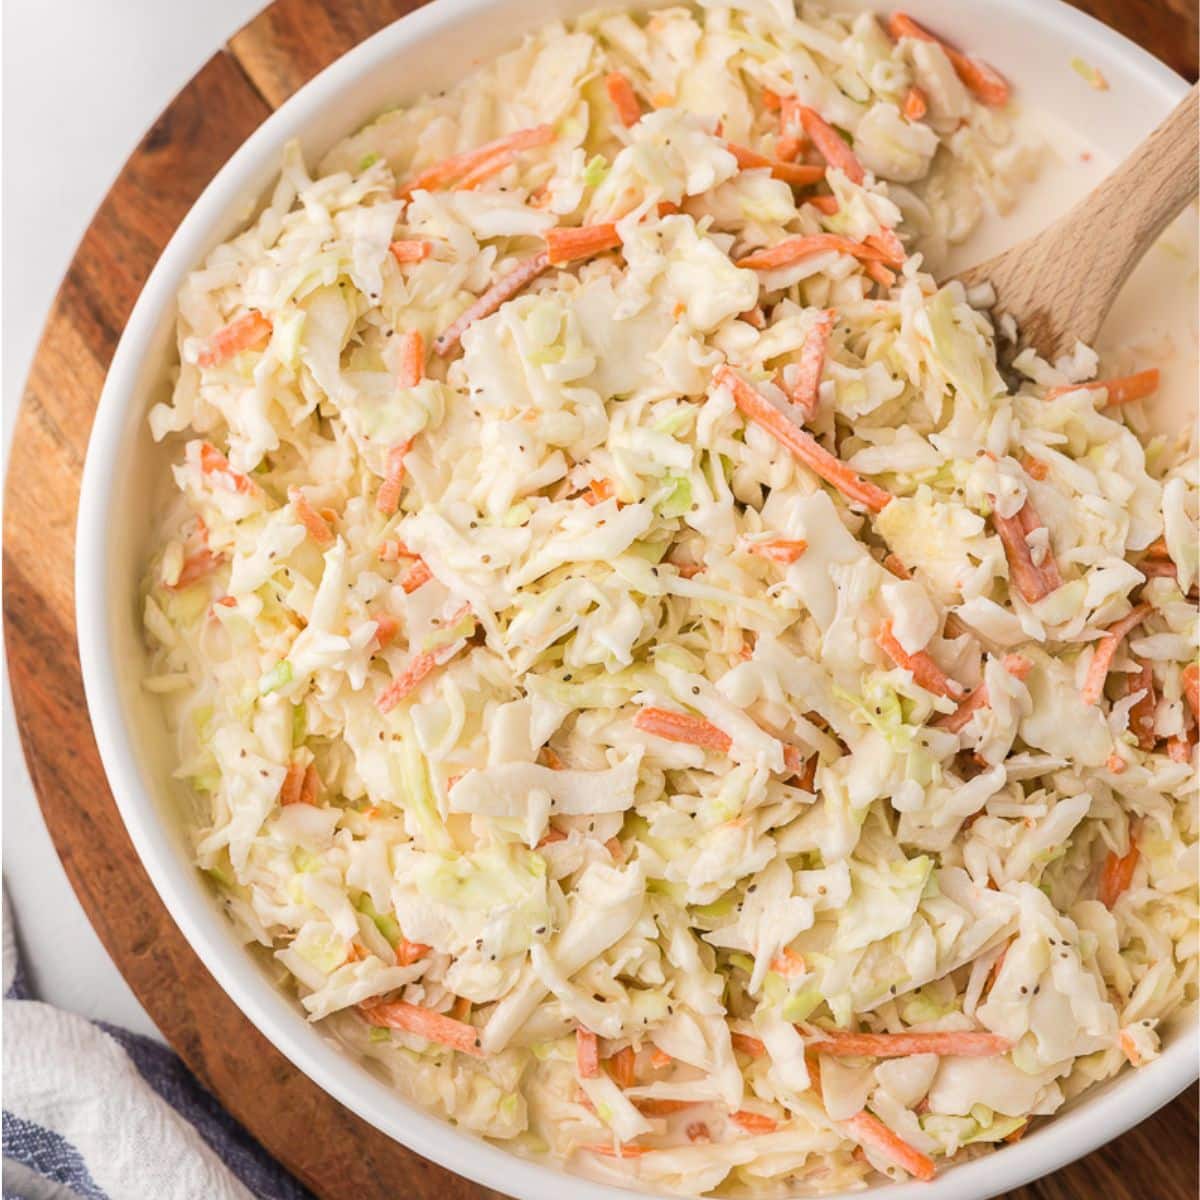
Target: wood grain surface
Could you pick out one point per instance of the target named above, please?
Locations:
(339, 1156)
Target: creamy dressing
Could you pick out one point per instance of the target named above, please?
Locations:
(1154, 321)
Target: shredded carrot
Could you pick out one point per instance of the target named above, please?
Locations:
(502, 290)
(779, 550)
(754, 316)
(802, 446)
(225, 602)
(419, 667)
(1116, 875)
(1129, 1048)
(449, 170)
(1106, 649)
(196, 566)
(418, 575)
(460, 1010)
(805, 390)
(1191, 687)
(622, 1066)
(748, 1045)
(797, 174)
(411, 250)
(408, 952)
(624, 1150)
(1141, 715)
(1121, 390)
(310, 786)
(386, 628)
(655, 1107)
(485, 169)
(793, 759)
(425, 1023)
(552, 835)
(788, 963)
(795, 249)
(983, 80)
(659, 1059)
(1115, 763)
(925, 671)
(880, 274)
(1029, 579)
(771, 100)
(247, 330)
(915, 105)
(214, 463)
(896, 567)
(901, 1045)
(830, 144)
(869, 1130)
(890, 247)
(568, 243)
(1035, 468)
(681, 727)
(412, 359)
(393, 550)
(1017, 1134)
(824, 204)
(552, 760)
(788, 147)
(293, 784)
(624, 99)
(753, 1122)
(1014, 664)
(1030, 522)
(315, 524)
(387, 500)
(587, 1054)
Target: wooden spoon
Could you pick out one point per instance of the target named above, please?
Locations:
(1060, 284)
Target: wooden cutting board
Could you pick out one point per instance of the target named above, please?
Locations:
(339, 1156)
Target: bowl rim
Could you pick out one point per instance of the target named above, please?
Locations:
(1111, 1111)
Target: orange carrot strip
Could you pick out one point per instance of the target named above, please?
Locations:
(408, 952)
(794, 249)
(880, 274)
(824, 204)
(1106, 649)
(246, 331)
(552, 760)
(315, 524)
(653, 1107)
(793, 759)
(890, 247)
(830, 144)
(387, 500)
(915, 105)
(1023, 572)
(293, 784)
(1030, 521)
(587, 1054)
(771, 100)
(425, 1023)
(779, 550)
(1120, 390)
(659, 1059)
(802, 446)
(418, 575)
(386, 628)
(896, 567)
(485, 169)
(805, 392)
(797, 174)
(566, 243)
(1191, 687)
(553, 834)
(213, 462)
(1014, 664)
(869, 1130)
(680, 727)
(624, 1150)
(310, 786)
(411, 250)
(624, 99)
(195, 567)
(1017, 1134)
(788, 963)
(622, 1067)
(983, 80)
(1116, 875)
(1141, 715)
(1034, 467)
(924, 670)
(445, 172)
(502, 290)
(788, 147)
(412, 359)
(900, 1045)
(419, 667)
(748, 1045)
(753, 1122)
(754, 316)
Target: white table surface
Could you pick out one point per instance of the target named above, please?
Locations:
(79, 91)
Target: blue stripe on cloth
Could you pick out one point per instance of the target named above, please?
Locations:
(173, 1082)
(49, 1154)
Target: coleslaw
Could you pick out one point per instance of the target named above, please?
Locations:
(642, 672)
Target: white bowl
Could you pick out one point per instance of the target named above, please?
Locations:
(1032, 41)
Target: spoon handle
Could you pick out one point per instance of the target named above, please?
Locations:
(1061, 283)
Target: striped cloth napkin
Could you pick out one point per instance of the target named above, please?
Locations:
(92, 1112)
